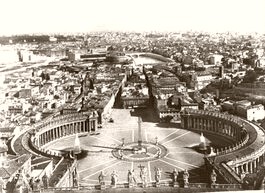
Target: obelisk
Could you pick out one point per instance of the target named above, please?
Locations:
(139, 133)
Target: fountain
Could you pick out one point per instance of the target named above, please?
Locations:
(202, 145)
(77, 147)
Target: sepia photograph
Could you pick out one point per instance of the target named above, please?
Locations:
(135, 96)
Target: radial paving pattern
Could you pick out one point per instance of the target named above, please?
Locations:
(148, 152)
(173, 148)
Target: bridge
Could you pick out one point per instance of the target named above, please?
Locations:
(150, 55)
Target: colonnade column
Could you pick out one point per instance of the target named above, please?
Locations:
(71, 128)
(79, 127)
(46, 137)
(254, 166)
(82, 126)
(60, 131)
(250, 168)
(40, 138)
(74, 128)
(229, 130)
(262, 160)
(246, 168)
(57, 131)
(94, 125)
(257, 162)
(238, 134)
(213, 125)
(67, 129)
(88, 129)
(188, 123)
(50, 135)
(215, 122)
(241, 168)
(53, 134)
(236, 169)
(43, 138)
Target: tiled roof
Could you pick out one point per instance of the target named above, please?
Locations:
(7, 129)
(13, 165)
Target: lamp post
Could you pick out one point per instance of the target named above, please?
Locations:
(122, 141)
(156, 138)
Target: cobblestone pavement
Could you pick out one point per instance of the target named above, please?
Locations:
(178, 142)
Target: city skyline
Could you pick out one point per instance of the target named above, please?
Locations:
(29, 16)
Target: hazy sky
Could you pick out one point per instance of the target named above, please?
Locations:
(41, 16)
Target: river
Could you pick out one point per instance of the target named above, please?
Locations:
(141, 60)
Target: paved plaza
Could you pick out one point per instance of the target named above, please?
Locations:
(176, 145)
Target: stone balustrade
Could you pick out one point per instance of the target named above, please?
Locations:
(234, 147)
(192, 186)
(61, 120)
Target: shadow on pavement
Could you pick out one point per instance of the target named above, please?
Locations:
(216, 141)
(146, 114)
(168, 125)
(197, 175)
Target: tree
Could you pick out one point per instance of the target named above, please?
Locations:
(186, 78)
(47, 76)
(200, 68)
(167, 119)
(250, 76)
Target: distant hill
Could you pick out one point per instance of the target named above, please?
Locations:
(30, 39)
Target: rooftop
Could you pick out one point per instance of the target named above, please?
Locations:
(13, 165)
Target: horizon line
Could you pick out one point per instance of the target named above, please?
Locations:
(134, 31)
